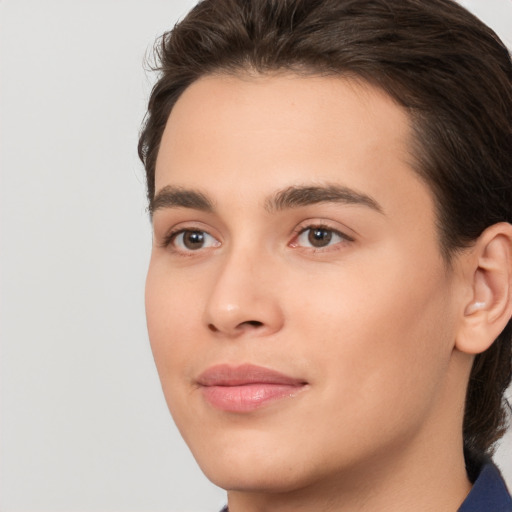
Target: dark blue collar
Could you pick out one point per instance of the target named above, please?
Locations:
(489, 492)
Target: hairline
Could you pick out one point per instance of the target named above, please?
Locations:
(416, 148)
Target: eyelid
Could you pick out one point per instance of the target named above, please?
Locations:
(325, 224)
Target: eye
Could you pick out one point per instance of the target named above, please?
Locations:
(192, 240)
(319, 237)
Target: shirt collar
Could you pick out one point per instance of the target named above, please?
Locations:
(489, 492)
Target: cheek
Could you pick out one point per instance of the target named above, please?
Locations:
(384, 339)
(172, 317)
(171, 313)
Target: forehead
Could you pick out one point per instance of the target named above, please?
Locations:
(238, 136)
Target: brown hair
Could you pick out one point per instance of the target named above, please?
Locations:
(449, 71)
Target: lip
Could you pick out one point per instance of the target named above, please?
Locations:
(247, 387)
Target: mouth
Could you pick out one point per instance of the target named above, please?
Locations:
(247, 387)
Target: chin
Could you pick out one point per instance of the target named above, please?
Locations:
(262, 464)
(254, 477)
(249, 462)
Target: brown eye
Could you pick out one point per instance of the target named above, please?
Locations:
(193, 240)
(319, 237)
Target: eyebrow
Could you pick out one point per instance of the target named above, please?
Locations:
(177, 197)
(288, 198)
(299, 196)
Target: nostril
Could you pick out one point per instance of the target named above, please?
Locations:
(253, 323)
(242, 326)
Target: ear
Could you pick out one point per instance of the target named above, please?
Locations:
(489, 281)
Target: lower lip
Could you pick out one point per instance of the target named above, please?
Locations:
(248, 397)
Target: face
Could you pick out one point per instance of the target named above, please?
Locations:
(299, 310)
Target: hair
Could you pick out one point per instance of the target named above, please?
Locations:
(448, 70)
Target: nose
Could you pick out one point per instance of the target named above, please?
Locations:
(245, 298)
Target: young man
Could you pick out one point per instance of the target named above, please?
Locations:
(330, 289)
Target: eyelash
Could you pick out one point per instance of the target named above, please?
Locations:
(170, 238)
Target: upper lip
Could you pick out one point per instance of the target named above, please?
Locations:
(228, 375)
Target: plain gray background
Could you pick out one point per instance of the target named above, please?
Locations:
(84, 426)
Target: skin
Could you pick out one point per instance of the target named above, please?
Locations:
(370, 320)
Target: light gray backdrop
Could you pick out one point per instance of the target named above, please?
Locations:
(84, 426)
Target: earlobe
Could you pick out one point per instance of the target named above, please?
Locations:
(490, 279)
